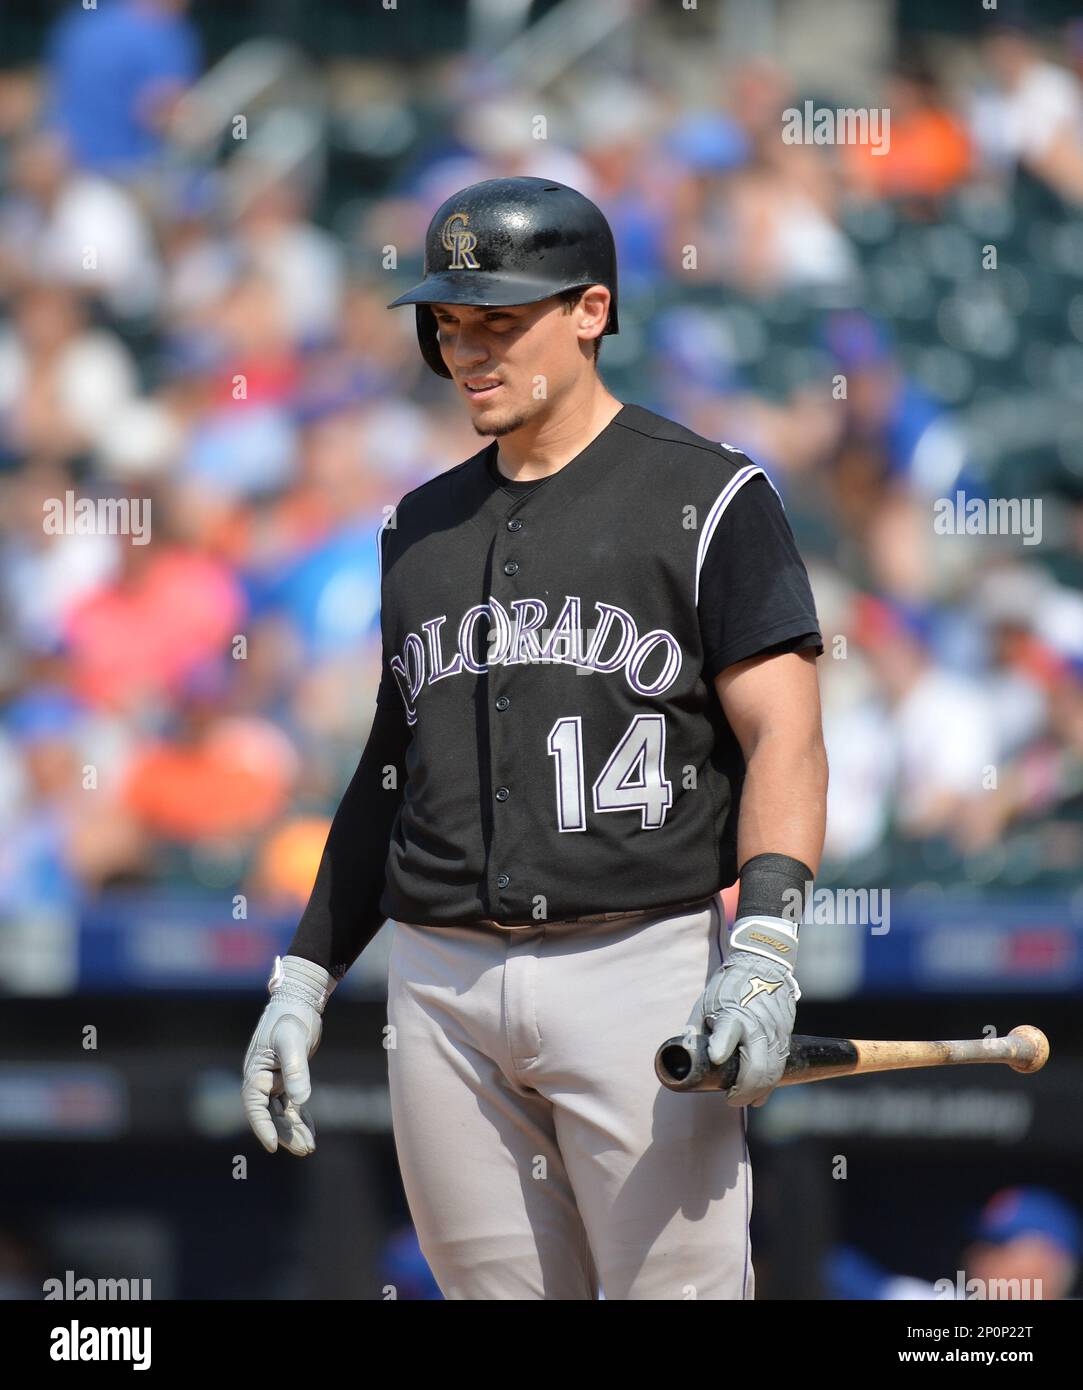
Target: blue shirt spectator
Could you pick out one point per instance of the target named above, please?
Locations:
(110, 69)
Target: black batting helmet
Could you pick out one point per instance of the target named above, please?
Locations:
(510, 241)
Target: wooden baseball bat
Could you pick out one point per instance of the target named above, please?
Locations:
(682, 1063)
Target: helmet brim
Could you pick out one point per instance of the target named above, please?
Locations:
(483, 290)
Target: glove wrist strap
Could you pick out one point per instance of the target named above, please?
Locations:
(294, 977)
(771, 937)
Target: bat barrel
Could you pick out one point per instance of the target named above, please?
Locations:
(1024, 1049)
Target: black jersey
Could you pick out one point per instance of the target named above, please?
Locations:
(551, 648)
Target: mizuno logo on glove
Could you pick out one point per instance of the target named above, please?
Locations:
(781, 946)
(759, 986)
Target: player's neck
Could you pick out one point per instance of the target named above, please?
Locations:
(537, 451)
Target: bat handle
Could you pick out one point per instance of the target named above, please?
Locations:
(682, 1064)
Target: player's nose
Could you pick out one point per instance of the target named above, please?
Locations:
(466, 350)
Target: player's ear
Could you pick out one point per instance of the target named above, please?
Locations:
(593, 308)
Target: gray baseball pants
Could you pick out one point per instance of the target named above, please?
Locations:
(540, 1156)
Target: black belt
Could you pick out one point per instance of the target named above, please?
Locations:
(595, 916)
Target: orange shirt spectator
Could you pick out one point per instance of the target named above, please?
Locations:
(928, 152)
(234, 779)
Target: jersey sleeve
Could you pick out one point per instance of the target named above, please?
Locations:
(754, 591)
(343, 912)
(388, 694)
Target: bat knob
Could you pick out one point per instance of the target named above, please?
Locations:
(682, 1064)
(1034, 1052)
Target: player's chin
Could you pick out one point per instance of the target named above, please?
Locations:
(497, 419)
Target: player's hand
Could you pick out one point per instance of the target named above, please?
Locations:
(748, 1007)
(276, 1084)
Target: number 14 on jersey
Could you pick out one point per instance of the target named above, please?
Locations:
(633, 778)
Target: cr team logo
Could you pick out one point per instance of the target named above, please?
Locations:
(461, 243)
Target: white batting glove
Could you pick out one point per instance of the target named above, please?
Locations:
(276, 1084)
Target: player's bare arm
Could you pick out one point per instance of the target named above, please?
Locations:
(773, 706)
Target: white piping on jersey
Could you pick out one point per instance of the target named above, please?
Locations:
(721, 502)
(380, 546)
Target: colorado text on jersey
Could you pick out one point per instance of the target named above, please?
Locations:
(513, 640)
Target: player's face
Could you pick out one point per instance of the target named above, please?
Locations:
(509, 362)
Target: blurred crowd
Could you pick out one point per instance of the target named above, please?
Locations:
(192, 314)
(1023, 1244)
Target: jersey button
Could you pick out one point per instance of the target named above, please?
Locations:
(515, 524)
(512, 567)
(502, 793)
(502, 880)
(503, 701)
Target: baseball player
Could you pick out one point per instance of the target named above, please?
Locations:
(599, 704)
